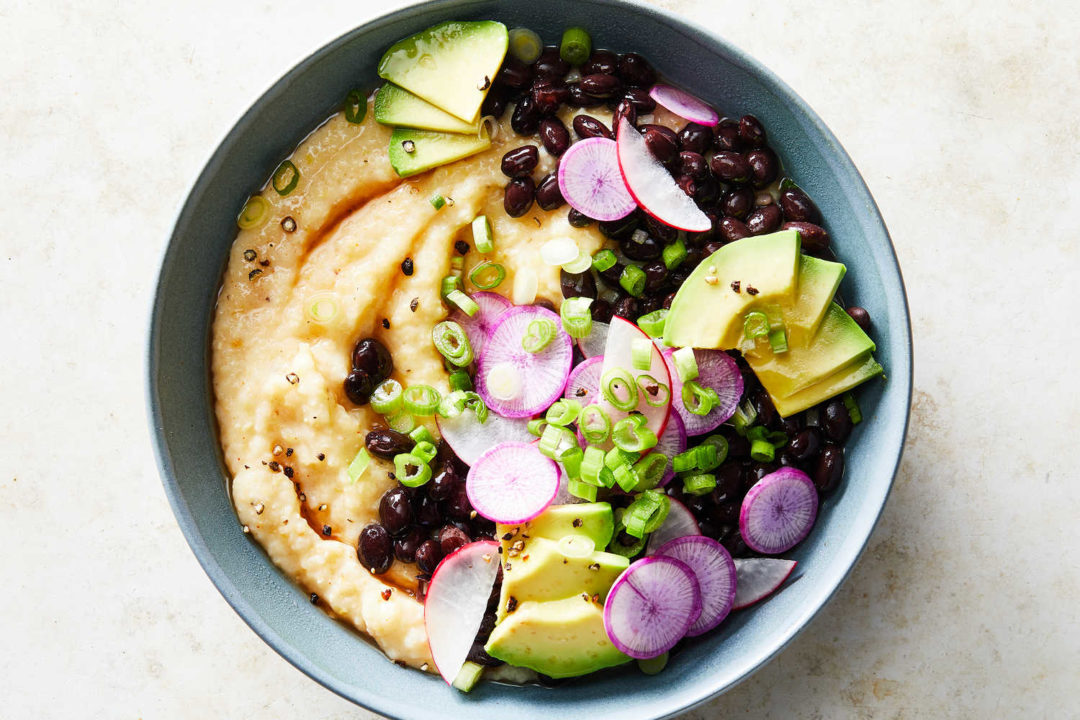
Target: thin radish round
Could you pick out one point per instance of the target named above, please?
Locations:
(671, 443)
(778, 511)
(590, 180)
(469, 439)
(456, 601)
(652, 186)
(512, 483)
(715, 572)
(684, 105)
(757, 578)
(593, 344)
(651, 606)
(716, 370)
(477, 327)
(679, 523)
(537, 379)
(618, 355)
(584, 381)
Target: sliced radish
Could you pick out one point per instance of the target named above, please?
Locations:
(778, 511)
(512, 483)
(477, 327)
(679, 523)
(618, 355)
(715, 572)
(652, 186)
(651, 606)
(584, 381)
(671, 443)
(758, 578)
(716, 370)
(456, 601)
(469, 439)
(590, 180)
(526, 383)
(684, 105)
(593, 344)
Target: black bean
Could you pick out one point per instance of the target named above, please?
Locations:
(443, 483)
(641, 246)
(451, 538)
(737, 202)
(766, 411)
(372, 357)
(764, 166)
(829, 469)
(727, 136)
(687, 184)
(621, 228)
(626, 307)
(600, 86)
(735, 545)
(693, 164)
(375, 549)
(555, 136)
(518, 196)
(601, 62)
(860, 316)
(636, 70)
(791, 425)
(805, 444)
(579, 98)
(624, 109)
(428, 556)
(732, 229)
(738, 447)
(405, 546)
(815, 239)
(647, 304)
(726, 514)
(514, 74)
(662, 142)
(358, 386)
(428, 512)
(600, 311)
(388, 443)
(707, 191)
(836, 420)
(730, 167)
(661, 231)
(764, 220)
(577, 284)
(798, 207)
(457, 506)
(696, 138)
(612, 274)
(668, 299)
(656, 274)
(548, 194)
(578, 219)
(751, 131)
(586, 126)
(520, 161)
(550, 66)
(729, 482)
(526, 117)
(760, 470)
(395, 511)
(710, 247)
(641, 99)
(495, 102)
(549, 95)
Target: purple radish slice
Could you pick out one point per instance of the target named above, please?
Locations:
(512, 483)
(679, 523)
(469, 439)
(583, 384)
(652, 186)
(671, 443)
(590, 180)
(684, 105)
(516, 383)
(456, 601)
(715, 572)
(716, 370)
(592, 345)
(651, 606)
(778, 511)
(618, 354)
(479, 326)
(757, 578)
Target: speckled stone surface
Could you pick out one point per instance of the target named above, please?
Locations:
(963, 119)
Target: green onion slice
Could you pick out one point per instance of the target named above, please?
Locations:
(538, 335)
(438, 201)
(592, 464)
(425, 450)
(641, 353)
(555, 440)
(650, 469)
(387, 399)
(656, 393)
(254, 213)
(525, 45)
(403, 422)
(355, 107)
(563, 412)
(452, 343)
(685, 364)
(647, 513)
(698, 400)
(852, 406)
(627, 479)
(576, 46)
(449, 284)
(745, 416)
(579, 264)
(712, 460)
(674, 254)
(411, 470)
(620, 389)
(762, 451)
(685, 461)
(653, 666)
(536, 426)
(632, 280)
(582, 489)
(653, 323)
(576, 317)
(460, 380)
(422, 434)
(702, 484)
(359, 464)
(617, 457)
(632, 435)
(286, 177)
(483, 238)
(464, 303)
(604, 260)
(421, 400)
(487, 275)
(778, 341)
(756, 325)
(571, 458)
(594, 423)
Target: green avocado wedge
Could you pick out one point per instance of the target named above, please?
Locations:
(397, 106)
(829, 387)
(450, 65)
(414, 151)
(593, 520)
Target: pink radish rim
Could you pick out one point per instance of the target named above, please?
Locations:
(704, 624)
(567, 168)
(685, 105)
(481, 325)
(546, 466)
(730, 397)
(674, 425)
(584, 366)
(623, 579)
(788, 476)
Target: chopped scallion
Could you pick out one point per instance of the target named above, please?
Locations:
(745, 416)
(422, 434)
(452, 343)
(487, 275)
(656, 393)
(632, 280)
(483, 239)
(536, 426)
(582, 489)
(450, 283)
(603, 260)
(359, 464)
(570, 459)
(756, 325)
(653, 666)
(697, 399)
(653, 323)
(617, 457)
(555, 440)
(778, 341)
(762, 451)
(595, 424)
(576, 316)
(578, 265)
(538, 335)
(425, 450)
(403, 422)
(468, 676)
(464, 303)
(674, 254)
(421, 400)
(387, 398)
(355, 107)
(576, 46)
(685, 364)
(592, 463)
(702, 484)
(627, 479)
(650, 469)
(852, 406)
(619, 389)
(411, 470)
(641, 353)
(254, 214)
(525, 45)
(632, 435)
(563, 412)
(286, 178)
(438, 201)
(720, 443)
(460, 380)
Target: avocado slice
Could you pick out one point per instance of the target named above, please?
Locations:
(398, 106)
(451, 65)
(431, 149)
(831, 386)
(559, 638)
(593, 520)
(839, 342)
(708, 311)
(818, 282)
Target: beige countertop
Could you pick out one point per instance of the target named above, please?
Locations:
(962, 116)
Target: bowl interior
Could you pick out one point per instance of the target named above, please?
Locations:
(181, 407)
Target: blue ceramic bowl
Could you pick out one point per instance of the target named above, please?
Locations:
(180, 395)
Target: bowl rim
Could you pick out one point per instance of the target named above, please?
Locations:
(223, 582)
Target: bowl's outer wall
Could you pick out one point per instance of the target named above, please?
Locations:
(181, 403)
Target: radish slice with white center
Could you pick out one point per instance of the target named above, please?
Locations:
(715, 572)
(652, 186)
(593, 344)
(778, 511)
(618, 355)
(716, 370)
(477, 327)
(684, 105)
(651, 606)
(757, 578)
(591, 182)
(583, 384)
(671, 443)
(525, 383)
(679, 523)
(456, 601)
(469, 438)
(512, 483)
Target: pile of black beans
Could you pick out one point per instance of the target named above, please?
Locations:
(371, 365)
(424, 524)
